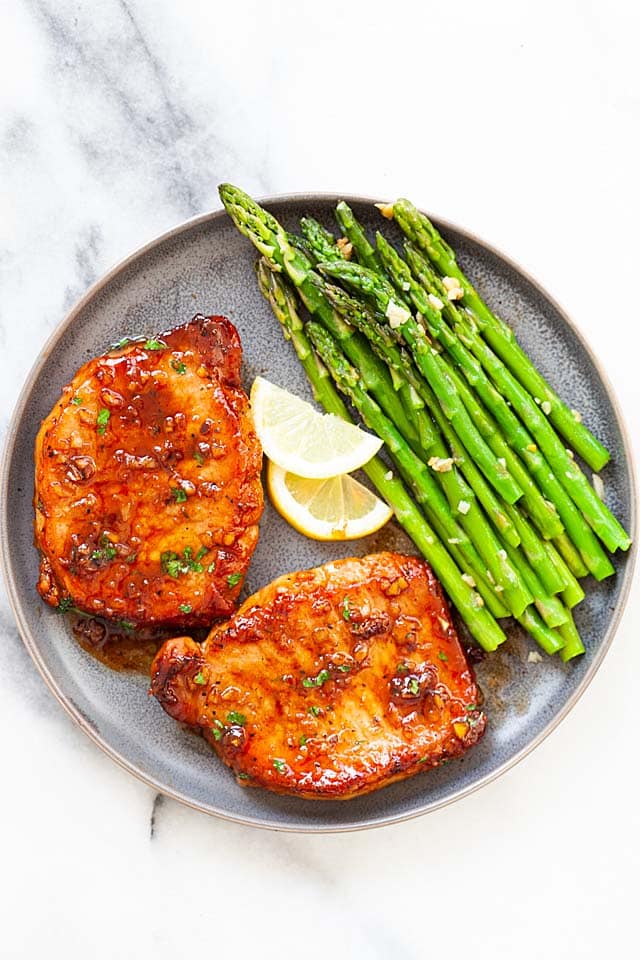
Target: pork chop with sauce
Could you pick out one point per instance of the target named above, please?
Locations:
(331, 682)
(147, 483)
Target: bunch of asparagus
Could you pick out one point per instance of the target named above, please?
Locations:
(485, 483)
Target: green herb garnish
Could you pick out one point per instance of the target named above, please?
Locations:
(315, 711)
(217, 729)
(185, 608)
(212, 566)
(199, 678)
(121, 343)
(302, 740)
(402, 668)
(107, 550)
(77, 401)
(318, 680)
(199, 459)
(234, 579)
(344, 668)
(237, 718)
(414, 686)
(279, 765)
(346, 612)
(179, 366)
(65, 605)
(178, 494)
(173, 564)
(126, 625)
(243, 776)
(155, 345)
(443, 656)
(102, 420)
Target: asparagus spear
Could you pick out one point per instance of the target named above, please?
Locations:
(499, 335)
(353, 231)
(384, 344)
(479, 621)
(580, 532)
(266, 234)
(573, 645)
(386, 299)
(346, 377)
(597, 514)
(321, 241)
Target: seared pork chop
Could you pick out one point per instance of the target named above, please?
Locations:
(148, 490)
(330, 682)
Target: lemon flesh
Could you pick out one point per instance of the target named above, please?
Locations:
(336, 508)
(303, 441)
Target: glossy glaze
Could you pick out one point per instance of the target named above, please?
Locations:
(330, 682)
(148, 492)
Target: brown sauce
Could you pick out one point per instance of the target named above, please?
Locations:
(124, 650)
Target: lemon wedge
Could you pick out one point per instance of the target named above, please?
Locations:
(303, 441)
(337, 508)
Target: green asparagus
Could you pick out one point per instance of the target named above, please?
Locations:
(499, 335)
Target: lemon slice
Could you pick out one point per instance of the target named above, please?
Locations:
(303, 441)
(338, 508)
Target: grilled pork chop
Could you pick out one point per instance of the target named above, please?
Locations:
(148, 488)
(330, 682)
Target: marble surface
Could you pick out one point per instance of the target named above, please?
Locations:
(117, 120)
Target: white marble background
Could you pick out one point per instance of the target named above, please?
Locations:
(519, 120)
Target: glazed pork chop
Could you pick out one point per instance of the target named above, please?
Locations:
(147, 485)
(331, 682)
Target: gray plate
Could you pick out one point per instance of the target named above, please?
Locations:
(206, 266)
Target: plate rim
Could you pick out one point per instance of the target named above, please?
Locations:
(67, 703)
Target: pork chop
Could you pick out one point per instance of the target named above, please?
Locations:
(330, 682)
(147, 483)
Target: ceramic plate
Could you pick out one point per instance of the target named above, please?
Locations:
(205, 266)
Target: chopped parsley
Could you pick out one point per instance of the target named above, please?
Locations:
(442, 656)
(344, 668)
(472, 706)
(217, 729)
(201, 553)
(174, 565)
(199, 459)
(243, 776)
(318, 680)
(279, 765)
(315, 711)
(302, 740)
(65, 605)
(178, 494)
(131, 558)
(121, 343)
(179, 366)
(423, 759)
(234, 579)
(212, 566)
(236, 718)
(414, 686)
(402, 668)
(102, 420)
(199, 678)
(155, 345)
(126, 625)
(185, 608)
(107, 550)
(77, 401)
(346, 612)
